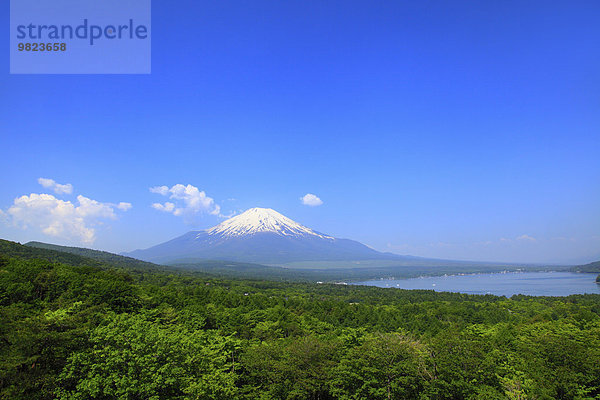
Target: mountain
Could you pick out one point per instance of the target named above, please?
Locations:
(259, 235)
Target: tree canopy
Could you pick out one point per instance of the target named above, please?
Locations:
(81, 331)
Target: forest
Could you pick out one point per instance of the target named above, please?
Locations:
(73, 327)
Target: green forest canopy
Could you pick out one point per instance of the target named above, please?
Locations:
(74, 328)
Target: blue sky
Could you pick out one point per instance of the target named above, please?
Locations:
(464, 130)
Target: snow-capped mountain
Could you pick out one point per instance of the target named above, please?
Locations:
(258, 235)
(259, 220)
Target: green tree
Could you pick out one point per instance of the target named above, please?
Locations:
(298, 368)
(385, 366)
(133, 357)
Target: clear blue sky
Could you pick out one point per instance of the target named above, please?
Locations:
(455, 129)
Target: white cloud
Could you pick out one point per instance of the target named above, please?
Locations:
(167, 207)
(188, 201)
(123, 206)
(92, 208)
(164, 190)
(310, 199)
(56, 187)
(59, 218)
(526, 238)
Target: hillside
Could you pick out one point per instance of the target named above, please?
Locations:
(103, 257)
(328, 273)
(10, 249)
(591, 267)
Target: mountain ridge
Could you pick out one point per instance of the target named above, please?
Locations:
(100, 256)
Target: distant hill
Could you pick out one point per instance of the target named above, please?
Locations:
(101, 257)
(72, 255)
(10, 249)
(591, 267)
(327, 273)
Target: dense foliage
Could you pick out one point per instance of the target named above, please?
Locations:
(90, 332)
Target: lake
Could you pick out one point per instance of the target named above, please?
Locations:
(500, 284)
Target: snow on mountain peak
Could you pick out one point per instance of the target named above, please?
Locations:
(258, 220)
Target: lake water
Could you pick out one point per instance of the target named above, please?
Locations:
(500, 284)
